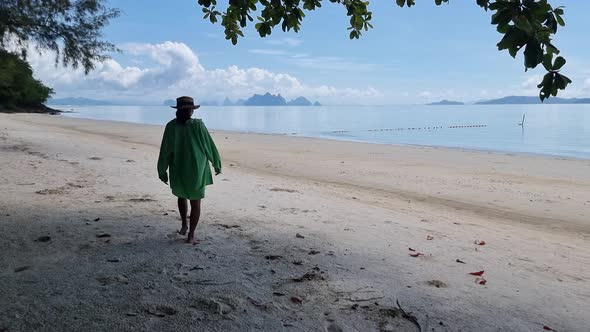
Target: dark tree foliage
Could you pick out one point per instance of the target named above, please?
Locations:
(18, 87)
(526, 25)
(70, 28)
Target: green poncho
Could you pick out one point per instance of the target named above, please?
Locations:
(187, 150)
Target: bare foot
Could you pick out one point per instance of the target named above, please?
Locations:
(191, 240)
(183, 230)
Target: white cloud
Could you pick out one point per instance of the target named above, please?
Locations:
(326, 63)
(266, 51)
(289, 42)
(323, 63)
(531, 82)
(174, 70)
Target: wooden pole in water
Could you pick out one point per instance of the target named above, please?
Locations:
(522, 123)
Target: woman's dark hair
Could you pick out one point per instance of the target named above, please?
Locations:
(183, 115)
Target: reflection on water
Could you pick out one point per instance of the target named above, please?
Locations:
(549, 129)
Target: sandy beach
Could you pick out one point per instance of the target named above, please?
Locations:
(297, 234)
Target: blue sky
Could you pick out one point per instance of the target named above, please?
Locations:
(413, 55)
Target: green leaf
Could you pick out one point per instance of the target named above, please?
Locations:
(547, 61)
(533, 54)
(560, 20)
(559, 62)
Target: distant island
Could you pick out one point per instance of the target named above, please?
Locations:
(522, 100)
(446, 102)
(78, 101)
(266, 99)
(277, 100)
(300, 101)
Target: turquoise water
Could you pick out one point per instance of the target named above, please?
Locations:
(560, 130)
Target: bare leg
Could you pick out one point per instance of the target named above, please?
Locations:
(195, 214)
(182, 209)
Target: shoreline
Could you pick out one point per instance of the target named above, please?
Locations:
(466, 149)
(296, 234)
(37, 109)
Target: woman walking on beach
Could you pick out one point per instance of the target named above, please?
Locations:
(186, 150)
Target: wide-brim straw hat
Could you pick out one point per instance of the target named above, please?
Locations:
(185, 102)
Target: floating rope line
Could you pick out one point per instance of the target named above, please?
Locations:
(409, 128)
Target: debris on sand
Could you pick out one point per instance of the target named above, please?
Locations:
(365, 300)
(478, 273)
(43, 239)
(286, 190)
(480, 281)
(228, 226)
(308, 276)
(113, 260)
(460, 261)
(417, 254)
(436, 283)
(273, 257)
(296, 299)
(141, 200)
(299, 236)
(314, 252)
(22, 268)
(429, 237)
(409, 316)
(102, 235)
(480, 242)
(298, 262)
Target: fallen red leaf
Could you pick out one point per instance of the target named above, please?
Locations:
(547, 328)
(478, 273)
(481, 281)
(429, 238)
(416, 254)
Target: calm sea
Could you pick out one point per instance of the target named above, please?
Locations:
(560, 130)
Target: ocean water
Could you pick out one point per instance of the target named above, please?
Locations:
(559, 130)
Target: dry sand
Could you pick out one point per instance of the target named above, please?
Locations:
(358, 209)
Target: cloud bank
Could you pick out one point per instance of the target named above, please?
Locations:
(166, 70)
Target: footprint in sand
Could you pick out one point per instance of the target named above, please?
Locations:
(394, 319)
(109, 280)
(161, 311)
(332, 327)
(215, 306)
